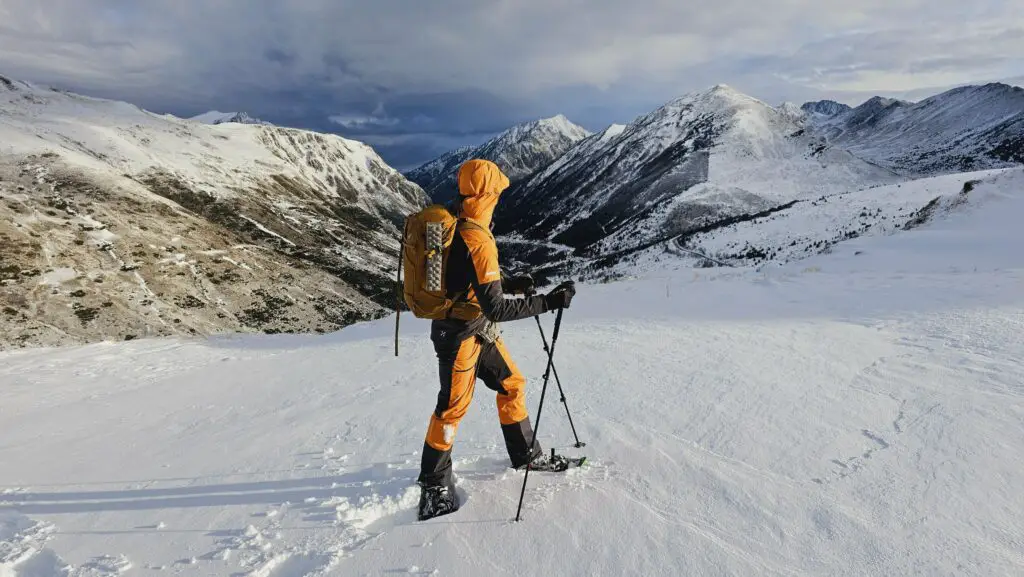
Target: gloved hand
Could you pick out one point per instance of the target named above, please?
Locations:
(560, 296)
(522, 284)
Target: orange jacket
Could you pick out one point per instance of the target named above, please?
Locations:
(473, 272)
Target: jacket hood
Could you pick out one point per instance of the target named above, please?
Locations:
(481, 183)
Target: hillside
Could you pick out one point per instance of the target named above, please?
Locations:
(117, 223)
(968, 128)
(808, 228)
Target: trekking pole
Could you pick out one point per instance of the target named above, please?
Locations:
(579, 444)
(540, 408)
(558, 382)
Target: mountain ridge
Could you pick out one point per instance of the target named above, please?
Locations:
(217, 117)
(520, 151)
(705, 155)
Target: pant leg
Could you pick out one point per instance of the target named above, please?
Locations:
(500, 373)
(457, 369)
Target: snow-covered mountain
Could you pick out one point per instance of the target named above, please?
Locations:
(826, 108)
(437, 177)
(118, 223)
(703, 157)
(520, 152)
(967, 128)
(216, 117)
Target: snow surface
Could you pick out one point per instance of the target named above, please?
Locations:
(841, 415)
(817, 225)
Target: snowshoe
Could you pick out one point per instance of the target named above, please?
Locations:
(437, 500)
(553, 463)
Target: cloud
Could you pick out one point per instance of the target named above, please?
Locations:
(362, 122)
(467, 67)
(377, 119)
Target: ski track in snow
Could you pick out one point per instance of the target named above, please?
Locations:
(842, 415)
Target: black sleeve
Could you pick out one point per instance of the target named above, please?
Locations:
(499, 309)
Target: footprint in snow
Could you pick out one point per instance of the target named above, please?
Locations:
(850, 466)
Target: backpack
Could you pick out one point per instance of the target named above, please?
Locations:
(426, 242)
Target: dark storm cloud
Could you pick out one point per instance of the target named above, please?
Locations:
(279, 56)
(414, 77)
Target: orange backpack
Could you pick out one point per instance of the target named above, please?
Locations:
(426, 242)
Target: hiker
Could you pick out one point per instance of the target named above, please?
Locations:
(472, 349)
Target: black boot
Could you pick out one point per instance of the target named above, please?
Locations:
(437, 500)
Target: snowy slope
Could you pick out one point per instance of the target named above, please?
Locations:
(118, 223)
(520, 152)
(217, 117)
(967, 128)
(803, 229)
(844, 415)
(704, 156)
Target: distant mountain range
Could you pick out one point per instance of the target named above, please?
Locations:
(968, 128)
(718, 154)
(705, 156)
(520, 152)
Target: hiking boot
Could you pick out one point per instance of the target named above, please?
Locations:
(437, 500)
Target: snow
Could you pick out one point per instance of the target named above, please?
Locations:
(58, 276)
(613, 131)
(114, 138)
(792, 234)
(216, 117)
(845, 414)
(957, 130)
(266, 230)
(719, 137)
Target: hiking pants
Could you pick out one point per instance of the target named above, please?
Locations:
(460, 364)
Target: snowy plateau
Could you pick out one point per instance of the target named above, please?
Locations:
(817, 373)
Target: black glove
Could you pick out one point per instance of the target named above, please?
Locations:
(518, 285)
(561, 296)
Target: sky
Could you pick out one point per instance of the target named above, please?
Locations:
(415, 78)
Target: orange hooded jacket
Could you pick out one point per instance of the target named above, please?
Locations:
(474, 273)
